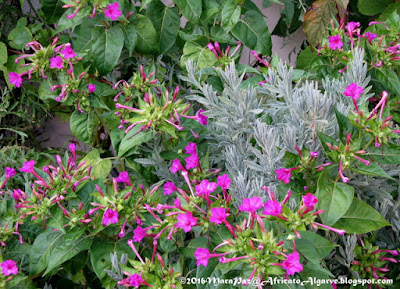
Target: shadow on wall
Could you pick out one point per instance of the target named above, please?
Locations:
(58, 134)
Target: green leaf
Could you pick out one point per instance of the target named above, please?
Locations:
(189, 250)
(370, 8)
(370, 170)
(345, 126)
(56, 220)
(386, 154)
(45, 93)
(107, 49)
(389, 79)
(42, 247)
(63, 252)
(130, 38)
(166, 21)
(323, 138)
(361, 218)
(147, 42)
(200, 55)
(191, 9)
(253, 31)
(230, 15)
(323, 246)
(316, 20)
(3, 54)
(65, 23)
(52, 10)
(20, 35)
(334, 198)
(83, 125)
(100, 167)
(134, 138)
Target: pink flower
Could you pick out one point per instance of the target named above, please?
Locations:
(251, 205)
(15, 79)
(186, 221)
(110, 217)
(370, 36)
(9, 172)
(124, 178)
(218, 215)
(205, 188)
(284, 175)
(91, 88)
(202, 256)
(9, 267)
(314, 154)
(176, 166)
(272, 208)
(191, 148)
(224, 181)
(292, 264)
(136, 280)
(353, 90)
(310, 201)
(28, 167)
(202, 118)
(138, 234)
(169, 188)
(352, 26)
(335, 42)
(192, 162)
(113, 11)
(18, 195)
(56, 62)
(68, 52)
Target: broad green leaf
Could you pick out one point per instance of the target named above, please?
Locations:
(370, 170)
(45, 93)
(20, 35)
(83, 125)
(230, 15)
(370, 8)
(200, 55)
(345, 126)
(85, 34)
(189, 250)
(65, 23)
(134, 138)
(147, 42)
(63, 252)
(144, 4)
(107, 49)
(52, 10)
(130, 38)
(42, 247)
(166, 21)
(389, 78)
(191, 9)
(334, 198)
(343, 3)
(56, 220)
(253, 31)
(386, 154)
(323, 246)
(394, 7)
(100, 167)
(3, 54)
(316, 20)
(360, 218)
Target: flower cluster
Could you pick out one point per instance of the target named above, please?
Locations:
(224, 58)
(111, 11)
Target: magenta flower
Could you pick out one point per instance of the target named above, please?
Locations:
(68, 52)
(192, 162)
(123, 177)
(113, 11)
(18, 195)
(218, 215)
(9, 267)
(15, 79)
(202, 118)
(314, 154)
(352, 26)
(202, 256)
(91, 88)
(224, 181)
(9, 172)
(186, 221)
(28, 167)
(335, 42)
(310, 201)
(56, 62)
(353, 90)
(191, 148)
(251, 205)
(110, 217)
(169, 188)
(272, 208)
(370, 36)
(176, 166)
(136, 280)
(138, 234)
(292, 264)
(284, 175)
(205, 188)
